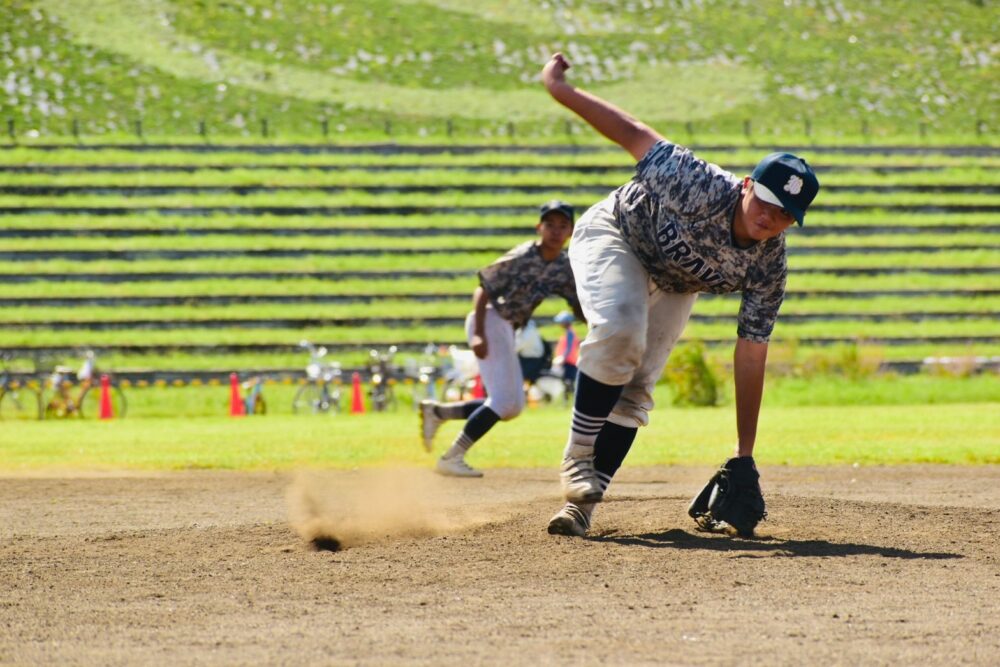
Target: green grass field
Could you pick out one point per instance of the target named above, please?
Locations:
(817, 421)
(957, 434)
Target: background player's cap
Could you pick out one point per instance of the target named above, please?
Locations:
(563, 317)
(787, 181)
(556, 205)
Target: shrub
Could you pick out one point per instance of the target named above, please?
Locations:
(782, 358)
(691, 379)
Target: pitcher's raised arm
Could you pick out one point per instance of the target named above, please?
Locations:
(614, 123)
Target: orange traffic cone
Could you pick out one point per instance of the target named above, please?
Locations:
(478, 391)
(357, 400)
(236, 407)
(107, 412)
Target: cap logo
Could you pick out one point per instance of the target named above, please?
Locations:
(794, 185)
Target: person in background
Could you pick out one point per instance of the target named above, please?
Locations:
(533, 353)
(510, 289)
(567, 347)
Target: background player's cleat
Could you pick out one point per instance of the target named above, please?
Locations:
(429, 422)
(579, 480)
(572, 520)
(456, 467)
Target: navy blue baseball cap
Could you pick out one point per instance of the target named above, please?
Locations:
(787, 181)
(558, 206)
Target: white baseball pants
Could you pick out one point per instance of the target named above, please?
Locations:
(500, 370)
(632, 324)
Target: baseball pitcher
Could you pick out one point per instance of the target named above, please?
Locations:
(640, 257)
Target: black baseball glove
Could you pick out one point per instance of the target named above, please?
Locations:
(732, 497)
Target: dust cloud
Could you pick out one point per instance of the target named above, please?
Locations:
(333, 511)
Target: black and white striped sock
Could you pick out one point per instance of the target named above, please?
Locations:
(593, 403)
(460, 446)
(584, 428)
(604, 479)
(610, 448)
(480, 421)
(612, 445)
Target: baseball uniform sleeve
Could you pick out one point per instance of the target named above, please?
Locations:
(500, 276)
(682, 182)
(763, 292)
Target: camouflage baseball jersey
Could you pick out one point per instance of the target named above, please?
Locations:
(520, 280)
(676, 214)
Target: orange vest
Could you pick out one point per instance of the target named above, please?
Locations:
(568, 347)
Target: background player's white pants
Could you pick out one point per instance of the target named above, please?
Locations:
(632, 325)
(500, 370)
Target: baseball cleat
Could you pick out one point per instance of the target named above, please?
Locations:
(429, 422)
(572, 520)
(579, 480)
(707, 524)
(456, 467)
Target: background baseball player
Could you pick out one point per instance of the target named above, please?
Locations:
(509, 291)
(640, 257)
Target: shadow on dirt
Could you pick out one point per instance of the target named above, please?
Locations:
(766, 546)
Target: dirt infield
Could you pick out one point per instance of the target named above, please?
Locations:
(856, 565)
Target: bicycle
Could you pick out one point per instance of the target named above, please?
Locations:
(253, 396)
(87, 402)
(18, 400)
(424, 373)
(382, 395)
(321, 393)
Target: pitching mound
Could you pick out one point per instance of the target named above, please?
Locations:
(869, 565)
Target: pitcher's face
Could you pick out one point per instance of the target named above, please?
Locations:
(757, 220)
